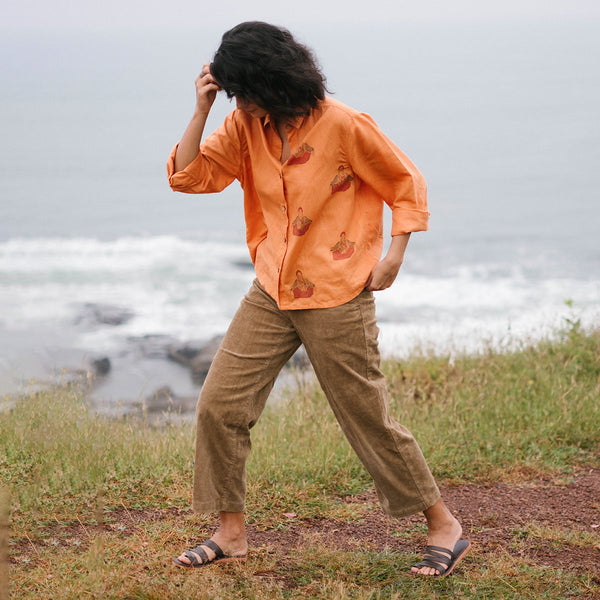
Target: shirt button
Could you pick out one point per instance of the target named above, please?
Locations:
(284, 240)
(283, 208)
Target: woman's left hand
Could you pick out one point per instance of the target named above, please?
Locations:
(385, 271)
(383, 275)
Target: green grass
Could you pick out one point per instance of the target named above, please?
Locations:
(496, 417)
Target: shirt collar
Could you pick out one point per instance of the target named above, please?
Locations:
(295, 123)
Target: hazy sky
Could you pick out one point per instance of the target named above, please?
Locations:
(157, 13)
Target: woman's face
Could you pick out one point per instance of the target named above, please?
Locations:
(250, 108)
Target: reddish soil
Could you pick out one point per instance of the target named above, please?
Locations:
(496, 518)
(493, 517)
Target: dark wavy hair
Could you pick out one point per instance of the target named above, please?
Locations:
(261, 63)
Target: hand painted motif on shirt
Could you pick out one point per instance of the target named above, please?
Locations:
(301, 223)
(342, 181)
(343, 249)
(302, 287)
(301, 156)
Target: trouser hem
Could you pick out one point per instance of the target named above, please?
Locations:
(407, 511)
(209, 508)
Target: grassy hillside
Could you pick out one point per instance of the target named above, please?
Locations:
(70, 473)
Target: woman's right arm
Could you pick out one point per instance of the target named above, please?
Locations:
(189, 146)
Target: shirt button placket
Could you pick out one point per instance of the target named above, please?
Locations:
(285, 224)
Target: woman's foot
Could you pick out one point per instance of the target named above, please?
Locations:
(230, 538)
(206, 553)
(444, 532)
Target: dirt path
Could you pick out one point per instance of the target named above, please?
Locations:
(494, 517)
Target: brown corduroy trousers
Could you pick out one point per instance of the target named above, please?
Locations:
(341, 343)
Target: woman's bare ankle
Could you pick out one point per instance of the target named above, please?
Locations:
(231, 534)
(442, 524)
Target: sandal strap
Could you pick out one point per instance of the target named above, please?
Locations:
(201, 552)
(191, 555)
(444, 560)
(438, 558)
(438, 549)
(441, 555)
(433, 565)
(215, 548)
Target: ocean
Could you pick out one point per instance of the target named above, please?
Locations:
(502, 119)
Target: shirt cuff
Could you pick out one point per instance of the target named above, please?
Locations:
(171, 162)
(182, 181)
(409, 220)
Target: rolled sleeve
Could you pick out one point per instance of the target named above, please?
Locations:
(385, 168)
(218, 162)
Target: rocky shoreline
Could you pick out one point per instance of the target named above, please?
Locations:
(193, 356)
(152, 376)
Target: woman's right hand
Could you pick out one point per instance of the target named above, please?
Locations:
(188, 148)
(206, 90)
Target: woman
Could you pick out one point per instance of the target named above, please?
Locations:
(297, 152)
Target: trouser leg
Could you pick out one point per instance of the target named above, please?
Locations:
(341, 343)
(258, 343)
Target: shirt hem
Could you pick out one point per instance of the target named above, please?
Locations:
(343, 299)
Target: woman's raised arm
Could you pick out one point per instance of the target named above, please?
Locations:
(206, 91)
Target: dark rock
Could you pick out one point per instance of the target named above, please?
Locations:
(201, 362)
(161, 399)
(165, 400)
(183, 354)
(299, 360)
(101, 366)
(198, 357)
(153, 345)
(104, 314)
(243, 264)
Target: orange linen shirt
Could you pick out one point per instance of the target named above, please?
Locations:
(313, 224)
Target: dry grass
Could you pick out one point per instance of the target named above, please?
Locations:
(73, 476)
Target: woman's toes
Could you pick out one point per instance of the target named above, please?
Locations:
(424, 571)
